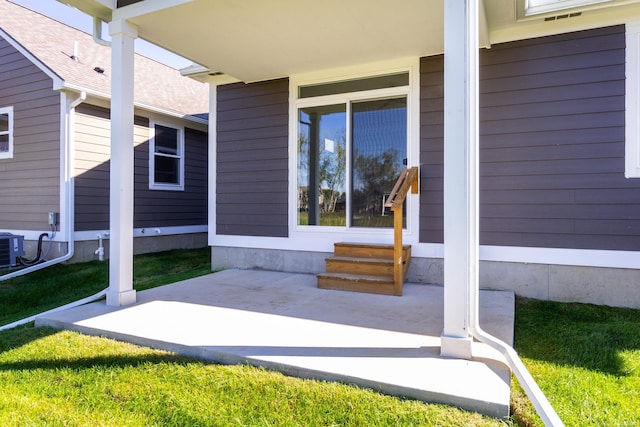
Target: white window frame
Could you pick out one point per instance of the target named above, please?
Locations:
(9, 112)
(536, 7)
(319, 237)
(632, 101)
(152, 155)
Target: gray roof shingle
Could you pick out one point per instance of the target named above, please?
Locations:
(52, 43)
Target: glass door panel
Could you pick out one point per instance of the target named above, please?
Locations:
(322, 165)
(379, 152)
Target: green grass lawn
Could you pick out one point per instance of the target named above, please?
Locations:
(585, 358)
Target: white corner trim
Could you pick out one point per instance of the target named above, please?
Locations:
(212, 159)
(632, 100)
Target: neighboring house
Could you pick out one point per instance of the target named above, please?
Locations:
(55, 85)
(339, 96)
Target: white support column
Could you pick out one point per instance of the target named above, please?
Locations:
(460, 174)
(121, 290)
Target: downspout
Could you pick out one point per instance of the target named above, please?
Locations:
(69, 183)
(83, 301)
(97, 32)
(461, 54)
(531, 388)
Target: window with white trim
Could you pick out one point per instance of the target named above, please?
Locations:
(534, 7)
(6, 133)
(166, 158)
(632, 101)
(352, 145)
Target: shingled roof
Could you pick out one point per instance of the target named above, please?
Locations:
(157, 86)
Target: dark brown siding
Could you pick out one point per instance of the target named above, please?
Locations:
(431, 149)
(156, 208)
(252, 166)
(30, 181)
(152, 208)
(552, 145)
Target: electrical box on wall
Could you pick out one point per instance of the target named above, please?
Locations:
(53, 218)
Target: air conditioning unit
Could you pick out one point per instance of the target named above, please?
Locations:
(11, 247)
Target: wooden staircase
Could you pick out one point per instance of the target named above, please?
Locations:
(377, 269)
(361, 267)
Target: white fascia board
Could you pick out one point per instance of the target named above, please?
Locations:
(145, 7)
(98, 8)
(146, 107)
(57, 80)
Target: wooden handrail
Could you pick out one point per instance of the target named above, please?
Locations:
(408, 179)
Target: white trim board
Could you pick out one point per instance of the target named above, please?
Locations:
(81, 236)
(323, 242)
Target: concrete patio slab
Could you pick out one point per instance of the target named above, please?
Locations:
(283, 321)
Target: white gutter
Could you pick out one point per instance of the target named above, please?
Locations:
(83, 301)
(97, 32)
(142, 106)
(67, 172)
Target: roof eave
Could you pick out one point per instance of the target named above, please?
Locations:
(143, 106)
(102, 9)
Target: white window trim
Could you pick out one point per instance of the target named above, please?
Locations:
(321, 236)
(632, 101)
(181, 154)
(536, 7)
(8, 154)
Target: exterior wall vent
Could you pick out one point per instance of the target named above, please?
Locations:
(11, 247)
(565, 16)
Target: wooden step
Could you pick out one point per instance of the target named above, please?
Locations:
(356, 283)
(367, 250)
(365, 266)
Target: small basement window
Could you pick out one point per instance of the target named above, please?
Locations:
(6, 133)
(166, 158)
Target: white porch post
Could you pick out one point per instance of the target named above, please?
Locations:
(460, 174)
(121, 290)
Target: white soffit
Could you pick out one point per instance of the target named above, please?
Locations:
(260, 40)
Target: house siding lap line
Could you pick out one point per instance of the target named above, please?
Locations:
(252, 159)
(551, 142)
(551, 145)
(153, 208)
(30, 180)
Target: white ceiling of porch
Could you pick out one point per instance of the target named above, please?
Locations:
(265, 39)
(254, 40)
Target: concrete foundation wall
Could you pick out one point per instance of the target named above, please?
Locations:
(85, 250)
(593, 285)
